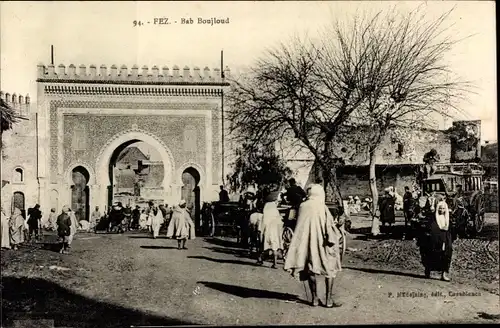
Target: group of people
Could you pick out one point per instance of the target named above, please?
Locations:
(16, 229)
(314, 249)
(177, 220)
(434, 236)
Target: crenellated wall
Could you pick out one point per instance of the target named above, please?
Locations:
(86, 112)
(124, 75)
(18, 102)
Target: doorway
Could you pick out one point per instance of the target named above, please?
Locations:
(191, 194)
(19, 202)
(80, 193)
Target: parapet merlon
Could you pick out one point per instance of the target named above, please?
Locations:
(124, 74)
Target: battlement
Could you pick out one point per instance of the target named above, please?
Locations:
(124, 75)
(19, 103)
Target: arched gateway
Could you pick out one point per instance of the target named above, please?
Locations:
(86, 114)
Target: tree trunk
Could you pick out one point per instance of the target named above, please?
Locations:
(373, 188)
(329, 169)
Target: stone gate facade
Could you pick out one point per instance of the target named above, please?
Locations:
(85, 116)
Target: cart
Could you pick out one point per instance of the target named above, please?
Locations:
(467, 207)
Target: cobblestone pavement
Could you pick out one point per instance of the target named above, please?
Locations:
(134, 279)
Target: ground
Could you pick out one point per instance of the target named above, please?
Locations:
(115, 280)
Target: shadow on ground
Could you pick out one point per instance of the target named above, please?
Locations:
(148, 237)
(394, 273)
(246, 292)
(158, 247)
(488, 316)
(222, 242)
(235, 252)
(53, 247)
(221, 260)
(32, 299)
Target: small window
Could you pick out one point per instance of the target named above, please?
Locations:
(18, 175)
(400, 150)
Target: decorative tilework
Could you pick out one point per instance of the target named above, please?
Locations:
(101, 127)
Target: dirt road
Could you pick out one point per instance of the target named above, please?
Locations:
(115, 280)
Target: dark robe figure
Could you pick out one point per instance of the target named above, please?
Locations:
(386, 206)
(127, 213)
(64, 229)
(248, 204)
(136, 214)
(35, 215)
(435, 240)
(116, 216)
(408, 205)
(223, 195)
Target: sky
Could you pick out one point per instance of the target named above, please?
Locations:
(104, 33)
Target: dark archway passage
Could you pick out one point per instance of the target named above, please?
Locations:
(19, 202)
(191, 194)
(136, 172)
(80, 193)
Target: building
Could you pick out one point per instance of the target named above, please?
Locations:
(396, 166)
(85, 116)
(18, 162)
(138, 179)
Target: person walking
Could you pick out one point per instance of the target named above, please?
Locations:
(143, 219)
(127, 214)
(116, 218)
(73, 228)
(181, 225)
(95, 218)
(294, 196)
(5, 242)
(34, 218)
(271, 228)
(255, 223)
(17, 228)
(156, 220)
(136, 214)
(64, 229)
(314, 249)
(52, 224)
(387, 207)
(149, 222)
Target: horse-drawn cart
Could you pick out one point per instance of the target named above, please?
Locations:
(461, 185)
(222, 219)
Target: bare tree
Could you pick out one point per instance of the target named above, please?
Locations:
(287, 96)
(357, 82)
(406, 81)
